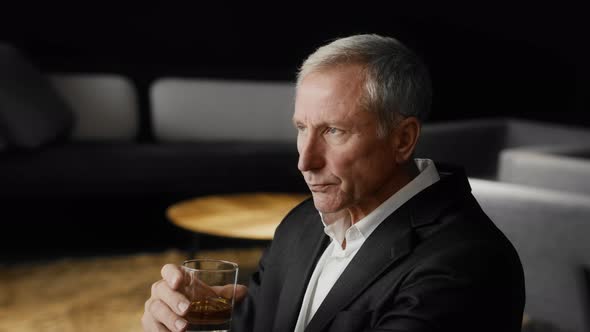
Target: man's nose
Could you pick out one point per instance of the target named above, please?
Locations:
(310, 155)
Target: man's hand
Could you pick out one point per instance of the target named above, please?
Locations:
(165, 309)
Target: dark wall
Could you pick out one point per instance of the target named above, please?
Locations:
(523, 60)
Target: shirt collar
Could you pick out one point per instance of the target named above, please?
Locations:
(338, 229)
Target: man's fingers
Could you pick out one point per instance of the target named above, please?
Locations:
(241, 292)
(172, 274)
(162, 313)
(173, 299)
(202, 289)
(228, 290)
(150, 325)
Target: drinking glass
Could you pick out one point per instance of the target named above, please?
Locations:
(210, 286)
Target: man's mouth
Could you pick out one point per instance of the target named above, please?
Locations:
(319, 187)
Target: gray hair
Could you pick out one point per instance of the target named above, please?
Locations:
(396, 81)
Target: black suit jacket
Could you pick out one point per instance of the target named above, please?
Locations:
(436, 264)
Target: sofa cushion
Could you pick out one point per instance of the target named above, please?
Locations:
(211, 110)
(105, 105)
(558, 167)
(525, 133)
(31, 112)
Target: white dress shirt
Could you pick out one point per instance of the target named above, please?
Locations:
(335, 259)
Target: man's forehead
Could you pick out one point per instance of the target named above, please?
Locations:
(329, 96)
(318, 117)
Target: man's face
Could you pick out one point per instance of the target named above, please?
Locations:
(344, 161)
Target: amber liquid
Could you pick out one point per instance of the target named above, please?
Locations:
(210, 314)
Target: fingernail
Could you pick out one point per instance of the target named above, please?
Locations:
(180, 324)
(183, 306)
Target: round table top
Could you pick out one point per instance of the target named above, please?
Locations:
(247, 216)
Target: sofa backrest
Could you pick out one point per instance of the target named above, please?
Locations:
(205, 110)
(558, 167)
(105, 106)
(473, 144)
(479, 144)
(549, 229)
(534, 133)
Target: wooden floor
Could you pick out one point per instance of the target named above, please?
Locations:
(91, 294)
(101, 293)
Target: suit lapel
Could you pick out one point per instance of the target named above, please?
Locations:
(312, 242)
(391, 241)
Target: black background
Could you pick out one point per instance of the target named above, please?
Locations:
(520, 60)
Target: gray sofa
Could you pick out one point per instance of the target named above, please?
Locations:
(550, 231)
(516, 151)
(480, 144)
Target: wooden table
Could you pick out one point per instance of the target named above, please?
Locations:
(253, 216)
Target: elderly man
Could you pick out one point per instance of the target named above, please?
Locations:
(388, 242)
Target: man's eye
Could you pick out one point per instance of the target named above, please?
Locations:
(332, 130)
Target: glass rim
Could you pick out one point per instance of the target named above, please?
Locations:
(234, 265)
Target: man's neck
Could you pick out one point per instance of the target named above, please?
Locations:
(407, 173)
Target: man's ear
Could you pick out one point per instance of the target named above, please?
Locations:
(405, 137)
